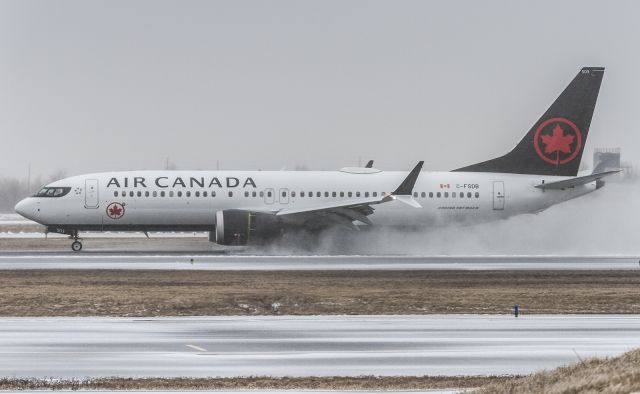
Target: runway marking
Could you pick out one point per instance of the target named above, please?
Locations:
(198, 348)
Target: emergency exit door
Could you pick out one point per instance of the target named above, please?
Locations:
(498, 195)
(91, 198)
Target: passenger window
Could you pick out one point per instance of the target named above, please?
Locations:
(230, 194)
(131, 193)
(326, 194)
(341, 194)
(197, 194)
(423, 195)
(246, 194)
(179, 194)
(477, 195)
(357, 194)
(261, 194)
(205, 194)
(319, 194)
(461, 194)
(301, 194)
(415, 194)
(254, 194)
(310, 194)
(268, 194)
(146, 194)
(430, 194)
(349, 194)
(139, 194)
(155, 194)
(333, 194)
(162, 194)
(375, 194)
(438, 194)
(469, 195)
(115, 194)
(284, 194)
(171, 193)
(189, 194)
(366, 194)
(293, 194)
(446, 194)
(213, 193)
(453, 195)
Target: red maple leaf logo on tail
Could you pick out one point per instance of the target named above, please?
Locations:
(557, 141)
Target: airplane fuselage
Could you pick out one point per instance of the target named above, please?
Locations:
(189, 200)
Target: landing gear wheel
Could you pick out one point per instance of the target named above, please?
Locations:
(76, 246)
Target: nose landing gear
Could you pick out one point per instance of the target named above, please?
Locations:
(76, 245)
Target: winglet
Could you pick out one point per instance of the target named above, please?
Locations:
(406, 187)
(369, 164)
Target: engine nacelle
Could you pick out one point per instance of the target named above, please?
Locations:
(235, 227)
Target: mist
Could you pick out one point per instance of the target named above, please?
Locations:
(604, 222)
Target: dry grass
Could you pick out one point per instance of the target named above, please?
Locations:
(254, 383)
(197, 293)
(611, 376)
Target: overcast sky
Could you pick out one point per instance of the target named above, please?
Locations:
(96, 86)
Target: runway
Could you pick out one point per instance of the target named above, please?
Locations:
(308, 346)
(215, 261)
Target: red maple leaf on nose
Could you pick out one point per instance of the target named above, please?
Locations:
(557, 141)
(115, 210)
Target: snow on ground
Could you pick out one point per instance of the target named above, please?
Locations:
(14, 218)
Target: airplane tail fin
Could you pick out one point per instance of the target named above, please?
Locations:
(555, 143)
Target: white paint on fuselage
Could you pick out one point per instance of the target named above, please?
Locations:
(520, 196)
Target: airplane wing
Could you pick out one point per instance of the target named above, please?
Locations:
(345, 212)
(577, 181)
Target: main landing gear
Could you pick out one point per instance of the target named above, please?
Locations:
(76, 245)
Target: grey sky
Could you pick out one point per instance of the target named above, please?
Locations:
(97, 86)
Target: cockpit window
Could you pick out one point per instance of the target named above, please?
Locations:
(53, 192)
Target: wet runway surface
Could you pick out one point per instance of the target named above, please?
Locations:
(308, 346)
(217, 261)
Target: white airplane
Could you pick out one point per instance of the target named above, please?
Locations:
(238, 207)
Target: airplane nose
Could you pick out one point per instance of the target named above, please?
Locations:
(22, 208)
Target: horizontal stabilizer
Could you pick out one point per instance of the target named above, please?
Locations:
(577, 181)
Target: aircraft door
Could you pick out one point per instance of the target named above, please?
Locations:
(284, 196)
(91, 197)
(498, 195)
(269, 196)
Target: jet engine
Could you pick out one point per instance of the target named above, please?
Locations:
(237, 227)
